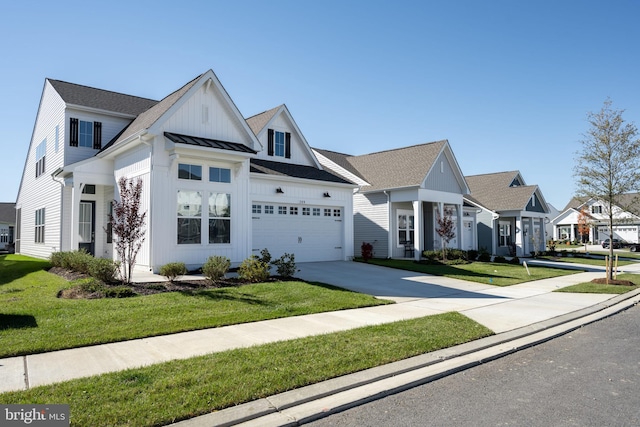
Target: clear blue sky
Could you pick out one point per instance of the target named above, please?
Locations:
(508, 83)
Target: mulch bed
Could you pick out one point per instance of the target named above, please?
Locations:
(603, 281)
(184, 284)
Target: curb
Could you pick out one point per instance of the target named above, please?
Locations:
(305, 404)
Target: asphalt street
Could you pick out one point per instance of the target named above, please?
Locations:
(589, 377)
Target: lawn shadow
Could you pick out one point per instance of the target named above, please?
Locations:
(224, 295)
(17, 321)
(12, 269)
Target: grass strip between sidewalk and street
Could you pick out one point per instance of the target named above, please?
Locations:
(493, 273)
(182, 389)
(34, 320)
(596, 288)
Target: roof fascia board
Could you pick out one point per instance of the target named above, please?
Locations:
(99, 111)
(202, 80)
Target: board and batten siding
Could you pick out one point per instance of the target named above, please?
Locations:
(300, 154)
(442, 177)
(371, 223)
(206, 114)
(43, 191)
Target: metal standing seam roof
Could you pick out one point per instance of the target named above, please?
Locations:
(207, 142)
(101, 99)
(269, 167)
(493, 191)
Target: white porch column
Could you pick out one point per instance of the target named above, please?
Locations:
(76, 195)
(459, 229)
(519, 236)
(418, 232)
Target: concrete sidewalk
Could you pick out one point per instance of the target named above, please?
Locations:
(502, 309)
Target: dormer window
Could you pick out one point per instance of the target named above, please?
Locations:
(596, 209)
(279, 144)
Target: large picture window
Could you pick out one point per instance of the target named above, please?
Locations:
(405, 227)
(219, 218)
(505, 233)
(189, 217)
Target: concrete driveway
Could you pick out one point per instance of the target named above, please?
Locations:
(499, 308)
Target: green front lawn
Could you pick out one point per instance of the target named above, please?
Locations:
(587, 261)
(168, 392)
(498, 274)
(595, 288)
(33, 319)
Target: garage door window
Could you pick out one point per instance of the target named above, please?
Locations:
(189, 216)
(219, 218)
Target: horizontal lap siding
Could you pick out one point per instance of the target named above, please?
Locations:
(371, 223)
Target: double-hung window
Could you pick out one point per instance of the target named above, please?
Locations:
(189, 216)
(39, 226)
(405, 227)
(85, 134)
(41, 153)
(220, 218)
(279, 143)
(505, 233)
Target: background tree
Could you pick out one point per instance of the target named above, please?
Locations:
(127, 225)
(446, 229)
(608, 164)
(583, 225)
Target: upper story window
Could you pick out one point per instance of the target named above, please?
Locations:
(41, 152)
(85, 134)
(596, 209)
(219, 174)
(186, 171)
(279, 144)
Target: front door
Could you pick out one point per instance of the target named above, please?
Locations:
(467, 235)
(87, 227)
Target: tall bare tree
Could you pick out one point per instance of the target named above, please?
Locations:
(127, 222)
(607, 167)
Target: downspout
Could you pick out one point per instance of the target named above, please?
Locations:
(389, 219)
(53, 177)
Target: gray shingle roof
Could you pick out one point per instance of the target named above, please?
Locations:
(207, 142)
(259, 121)
(8, 213)
(149, 117)
(398, 168)
(101, 99)
(341, 160)
(295, 171)
(493, 191)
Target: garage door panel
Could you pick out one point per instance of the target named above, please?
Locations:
(309, 237)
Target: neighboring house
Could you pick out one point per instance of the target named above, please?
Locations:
(213, 182)
(549, 227)
(401, 194)
(626, 222)
(515, 214)
(7, 223)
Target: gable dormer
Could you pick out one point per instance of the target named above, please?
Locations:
(281, 138)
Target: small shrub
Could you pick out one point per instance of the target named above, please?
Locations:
(104, 269)
(564, 253)
(91, 286)
(515, 260)
(484, 256)
(253, 270)
(285, 265)
(456, 254)
(366, 250)
(57, 259)
(457, 261)
(80, 261)
(499, 259)
(172, 270)
(265, 256)
(432, 256)
(119, 292)
(216, 267)
(472, 255)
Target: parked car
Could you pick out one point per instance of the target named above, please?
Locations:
(617, 244)
(634, 247)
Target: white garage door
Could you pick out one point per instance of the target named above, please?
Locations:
(311, 233)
